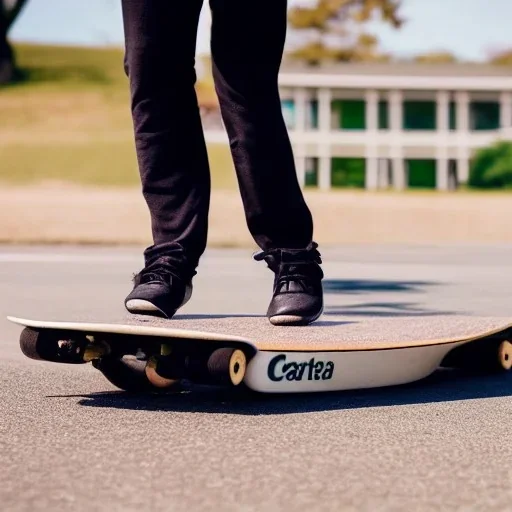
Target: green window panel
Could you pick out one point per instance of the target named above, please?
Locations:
(312, 120)
(336, 114)
(419, 115)
(453, 115)
(349, 114)
(311, 178)
(383, 115)
(421, 173)
(484, 115)
(288, 108)
(348, 172)
(353, 115)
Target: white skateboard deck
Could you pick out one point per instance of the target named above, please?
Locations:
(326, 356)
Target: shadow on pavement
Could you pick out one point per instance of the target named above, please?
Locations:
(380, 308)
(356, 286)
(442, 386)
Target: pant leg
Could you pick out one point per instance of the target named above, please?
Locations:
(247, 46)
(160, 40)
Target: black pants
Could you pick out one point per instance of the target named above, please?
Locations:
(247, 45)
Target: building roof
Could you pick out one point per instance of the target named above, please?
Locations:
(399, 69)
(400, 75)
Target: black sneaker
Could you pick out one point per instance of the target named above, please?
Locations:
(160, 289)
(298, 293)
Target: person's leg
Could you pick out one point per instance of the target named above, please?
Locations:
(160, 39)
(247, 46)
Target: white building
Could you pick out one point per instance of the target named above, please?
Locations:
(393, 125)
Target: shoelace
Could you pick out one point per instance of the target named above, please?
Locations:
(164, 268)
(296, 256)
(292, 265)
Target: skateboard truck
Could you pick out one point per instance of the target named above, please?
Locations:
(158, 366)
(483, 355)
(220, 366)
(61, 347)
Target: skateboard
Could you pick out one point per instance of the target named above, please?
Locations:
(145, 354)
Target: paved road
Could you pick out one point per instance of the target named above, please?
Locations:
(69, 441)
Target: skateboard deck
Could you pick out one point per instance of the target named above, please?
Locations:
(149, 354)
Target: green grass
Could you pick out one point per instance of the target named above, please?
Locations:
(95, 163)
(104, 163)
(68, 120)
(71, 67)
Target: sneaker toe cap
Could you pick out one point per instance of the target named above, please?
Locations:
(298, 306)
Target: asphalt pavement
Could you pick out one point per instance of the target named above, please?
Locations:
(70, 441)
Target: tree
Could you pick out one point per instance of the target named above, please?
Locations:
(502, 58)
(440, 57)
(334, 27)
(492, 167)
(9, 11)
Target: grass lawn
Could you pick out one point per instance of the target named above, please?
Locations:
(69, 120)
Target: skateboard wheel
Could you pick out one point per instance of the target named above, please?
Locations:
(56, 346)
(126, 373)
(28, 343)
(505, 355)
(486, 355)
(151, 370)
(227, 365)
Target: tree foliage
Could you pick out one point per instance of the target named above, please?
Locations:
(335, 27)
(502, 58)
(9, 11)
(492, 167)
(436, 58)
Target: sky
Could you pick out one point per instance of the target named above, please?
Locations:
(469, 28)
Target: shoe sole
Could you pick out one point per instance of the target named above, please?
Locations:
(291, 320)
(144, 307)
